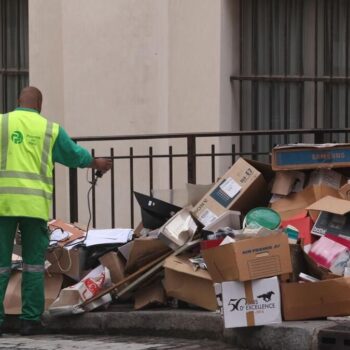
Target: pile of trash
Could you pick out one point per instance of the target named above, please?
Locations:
(265, 243)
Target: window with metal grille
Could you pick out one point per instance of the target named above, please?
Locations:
(13, 51)
(294, 68)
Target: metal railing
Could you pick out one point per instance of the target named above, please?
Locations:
(191, 156)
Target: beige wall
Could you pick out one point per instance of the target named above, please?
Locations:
(113, 67)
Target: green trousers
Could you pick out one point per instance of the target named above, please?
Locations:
(35, 240)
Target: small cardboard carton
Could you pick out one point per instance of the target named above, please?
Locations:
(310, 156)
(296, 203)
(241, 188)
(302, 301)
(178, 230)
(249, 259)
(73, 231)
(327, 177)
(230, 219)
(141, 251)
(183, 282)
(70, 262)
(250, 303)
(333, 218)
(115, 264)
(286, 182)
(13, 302)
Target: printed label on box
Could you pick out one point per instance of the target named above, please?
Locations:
(230, 187)
(207, 217)
(225, 192)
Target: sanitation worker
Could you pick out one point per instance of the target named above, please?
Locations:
(29, 147)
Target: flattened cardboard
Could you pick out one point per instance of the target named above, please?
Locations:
(252, 303)
(295, 203)
(151, 295)
(13, 303)
(69, 262)
(332, 205)
(181, 281)
(76, 232)
(302, 301)
(310, 156)
(142, 251)
(241, 188)
(249, 259)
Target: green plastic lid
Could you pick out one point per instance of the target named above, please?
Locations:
(264, 217)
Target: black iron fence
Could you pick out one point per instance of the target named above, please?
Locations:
(233, 148)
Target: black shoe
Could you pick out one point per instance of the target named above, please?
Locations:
(29, 327)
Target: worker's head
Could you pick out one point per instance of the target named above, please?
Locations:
(31, 97)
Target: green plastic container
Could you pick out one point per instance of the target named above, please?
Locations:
(262, 217)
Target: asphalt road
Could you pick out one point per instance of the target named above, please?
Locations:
(53, 342)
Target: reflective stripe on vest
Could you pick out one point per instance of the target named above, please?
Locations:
(33, 268)
(30, 191)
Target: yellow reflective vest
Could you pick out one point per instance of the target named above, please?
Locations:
(26, 184)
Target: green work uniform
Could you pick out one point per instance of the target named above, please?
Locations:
(29, 147)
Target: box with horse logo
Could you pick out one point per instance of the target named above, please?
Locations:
(251, 303)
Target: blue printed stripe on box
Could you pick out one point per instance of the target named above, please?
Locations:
(317, 156)
(221, 197)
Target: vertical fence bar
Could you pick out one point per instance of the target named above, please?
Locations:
(131, 154)
(233, 150)
(212, 163)
(150, 170)
(112, 189)
(241, 71)
(73, 194)
(316, 67)
(191, 159)
(93, 195)
(171, 167)
(347, 69)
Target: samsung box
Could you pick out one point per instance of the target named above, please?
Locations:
(250, 303)
(311, 156)
(249, 259)
(241, 188)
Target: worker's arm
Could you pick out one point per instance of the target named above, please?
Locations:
(72, 155)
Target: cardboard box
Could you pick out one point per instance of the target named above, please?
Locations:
(115, 264)
(74, 232)
(333, 218)
(181, 281)
(303, 223)
(251, 303)
(241, 188)
(178, 230)
(286, 182)
(141, 251)
(249, 259)
(296, 203)
(302, 301)
(13, 302)
(311, 156)
(151, 295)
(344, 191)
(70, 262)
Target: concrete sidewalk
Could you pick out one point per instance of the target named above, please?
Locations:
(186, 324)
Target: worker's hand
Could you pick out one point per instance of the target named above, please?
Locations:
(101, 164)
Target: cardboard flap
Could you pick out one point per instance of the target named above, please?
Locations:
(182, 264)
(331, 205)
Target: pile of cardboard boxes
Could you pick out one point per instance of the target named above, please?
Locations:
(265, 243)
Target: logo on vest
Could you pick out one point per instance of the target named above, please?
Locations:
(17, 137)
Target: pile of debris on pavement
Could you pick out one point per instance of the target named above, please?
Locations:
(262, 244)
